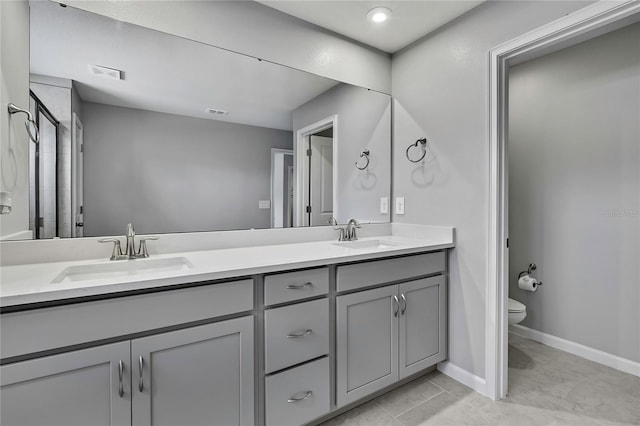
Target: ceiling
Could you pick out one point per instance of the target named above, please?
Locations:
(162, 72)
(410, 20)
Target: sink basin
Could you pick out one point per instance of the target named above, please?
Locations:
(366, 244)
(122, 268)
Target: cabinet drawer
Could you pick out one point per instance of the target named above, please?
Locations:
(359, 275)
(280, 288)
(309, 321)
(56, 327)
(285, 394)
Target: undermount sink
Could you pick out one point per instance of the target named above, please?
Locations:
(122, 268)
(366, 244)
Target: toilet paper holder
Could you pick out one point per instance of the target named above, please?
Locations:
(532, 267)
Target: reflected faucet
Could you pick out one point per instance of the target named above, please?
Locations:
(130, 251)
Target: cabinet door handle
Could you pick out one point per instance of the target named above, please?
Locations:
(404, 304)
(140, 366)
(299, 333)
(396, 304)
(299, 286)
(120, 373)
(293, 399)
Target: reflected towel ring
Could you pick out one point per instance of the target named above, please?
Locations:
(30, 124)
(422, 141)
(364, 154)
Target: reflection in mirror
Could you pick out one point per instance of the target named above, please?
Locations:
(178, 136)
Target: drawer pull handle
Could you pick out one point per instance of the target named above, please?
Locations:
(140, 381)
(293, 399)
(299, 286)
(404, 304)
(120, 373)
(300, 333)
(396, 305)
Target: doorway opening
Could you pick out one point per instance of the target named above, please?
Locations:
(281, 188)
(587, 23)
(43, 173)
(316, 173)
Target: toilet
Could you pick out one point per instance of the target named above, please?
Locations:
(517, 311)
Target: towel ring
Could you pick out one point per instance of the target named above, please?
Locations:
(30, 124)
(364, 154)
(422, 141)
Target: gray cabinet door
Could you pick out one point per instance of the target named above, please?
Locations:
(422, 324)
(75, 388)
(196, 376)
(366, 343)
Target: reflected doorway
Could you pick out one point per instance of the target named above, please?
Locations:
(320, 177)
(281, 188)
(316, 173)
(43, 164)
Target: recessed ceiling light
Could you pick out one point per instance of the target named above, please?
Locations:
(379, 14)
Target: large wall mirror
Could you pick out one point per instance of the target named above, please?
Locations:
(178, 136)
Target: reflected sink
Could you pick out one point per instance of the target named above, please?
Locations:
(122, 268)
(366, 244)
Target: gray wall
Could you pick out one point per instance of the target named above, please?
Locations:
(440, 86)
(364, 121)
(169, 173)
(257, 30)
(574, 194)
(14, 142)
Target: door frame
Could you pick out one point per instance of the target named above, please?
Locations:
(274, 153)
(299, 156)
(586, 23)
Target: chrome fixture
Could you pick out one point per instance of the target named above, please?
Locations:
(532, 267)
(348, 233)
(293, 399)
(332, 221)
(351, 230)
(422, 141)
(30, 124)
(130, 252)
(364, 154)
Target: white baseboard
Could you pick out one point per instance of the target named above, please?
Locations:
(595, 355)
(463, 376)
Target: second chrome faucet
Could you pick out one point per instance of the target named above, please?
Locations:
(130, 250)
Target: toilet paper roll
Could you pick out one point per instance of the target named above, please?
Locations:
(528, 283)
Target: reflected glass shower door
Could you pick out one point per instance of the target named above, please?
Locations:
(43, 207)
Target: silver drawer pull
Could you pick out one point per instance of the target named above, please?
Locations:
(396, 305)
(120, 373)
(404, 304)
(140, 381)
(293, 399)
(299, 286)
(300, 333)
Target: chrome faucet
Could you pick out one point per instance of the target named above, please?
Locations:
(351, 230)
(131, 241)
(130, 251)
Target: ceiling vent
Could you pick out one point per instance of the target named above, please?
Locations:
(217, 111)
(105, 72)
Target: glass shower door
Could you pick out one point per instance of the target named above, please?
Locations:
(43, 174)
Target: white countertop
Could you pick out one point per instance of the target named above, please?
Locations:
(32, 283)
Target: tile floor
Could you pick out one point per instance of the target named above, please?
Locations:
(546, 387)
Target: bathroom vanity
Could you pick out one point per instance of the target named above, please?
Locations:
(286, 336)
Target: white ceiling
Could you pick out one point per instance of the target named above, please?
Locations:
(162, 72)
(410, 20)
